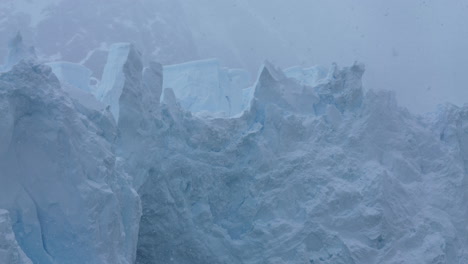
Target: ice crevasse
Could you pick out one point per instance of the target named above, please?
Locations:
(312, 168)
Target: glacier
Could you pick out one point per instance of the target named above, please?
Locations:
(309, 168)
(82, 32)
(10, 251)
(17, 51)
(205, 87)
(67, 199)
(324, 174)
(72, 74)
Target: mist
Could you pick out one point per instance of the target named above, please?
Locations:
(415, 48)
(233, 131)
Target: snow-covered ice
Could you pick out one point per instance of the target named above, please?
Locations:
(10, 251)
(67, 200)
(323, 174)
(310, 168)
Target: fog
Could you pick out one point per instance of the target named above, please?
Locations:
(415, 48)
(165, 131)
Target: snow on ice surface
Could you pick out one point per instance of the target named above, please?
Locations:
(339, 177)
(314, 171)
(68, 201)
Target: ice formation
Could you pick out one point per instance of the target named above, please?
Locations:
(307, 76)
(82, 32)
(323, 174)
(10, 251)
(17, 51)
(204, 86)
(67, 200)
(72, 74)
(314, 170)
(120, 71)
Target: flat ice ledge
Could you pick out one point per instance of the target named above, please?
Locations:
(205, 86)
(72, 74)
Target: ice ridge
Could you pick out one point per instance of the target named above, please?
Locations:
(312, 169)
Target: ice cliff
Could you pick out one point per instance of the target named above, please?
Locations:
(68, 202)
(312, 169)
(324, 174)
(17, 51)
(205, 87)
(10, 251)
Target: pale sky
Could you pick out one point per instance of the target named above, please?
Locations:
(416, 48)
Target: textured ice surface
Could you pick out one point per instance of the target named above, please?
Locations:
(123, 66)
(17, 51)
(10, 251)
(323, 174)
(67, 200)
(307, 76)
(203, 86)
(314, 171)
(75, 81)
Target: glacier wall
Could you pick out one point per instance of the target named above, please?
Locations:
(68, 201)
(312, 170)
(204, 86)
(10, 251)
(319, 173)
(72, 74)
(323, 174)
